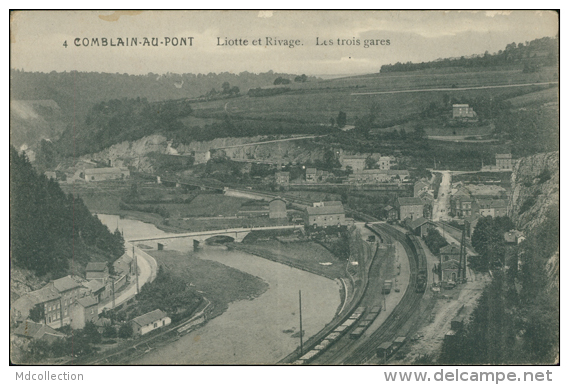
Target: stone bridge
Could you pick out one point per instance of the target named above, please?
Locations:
(200, 236)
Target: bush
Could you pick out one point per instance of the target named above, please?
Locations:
(109, 332)
(125, 331)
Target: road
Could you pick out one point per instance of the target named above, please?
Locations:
(453, 89)
(442, 204)
(148, 269)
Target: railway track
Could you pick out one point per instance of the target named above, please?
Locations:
(404, 311)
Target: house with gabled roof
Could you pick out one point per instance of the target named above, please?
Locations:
(410, 207)
(150, 321)
(98, 271)
(325, 214)
(37, 331)
(82, 311)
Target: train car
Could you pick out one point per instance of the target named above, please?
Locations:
(375, 310)
(360, 310)
(323, 345)
(357, 332)
(356, 316)
(349, 322)
(370, 317)
(365, 323)
(384, 350)
(307, 357)
(341, 329)
(387, 285)
(333, 336)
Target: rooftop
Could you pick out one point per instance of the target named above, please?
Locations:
(325, 210)
(96, 266)
(419, 222)
(409, 201)
(148, 318)
(87, 301)
(35, 330)
(450, 249)
(482, 189)
(66, 283)
(106, 170)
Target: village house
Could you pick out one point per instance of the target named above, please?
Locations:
(98, 271)
(82, 311)
(411, 208)
(461, 203)
(149, 322)
(282, 178)
(310, 175)
(70, 288)
(391, 213)
(325, 214)
(449, 270)
(277, 209)
(504, 161)
(96, 289)
(106, 173)
(420, 187)
(460, 111)
(47, 298)
(31, 330)
(492, 207)
(384, 163)
(428, 202)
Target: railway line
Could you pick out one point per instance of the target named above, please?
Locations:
(405, 310)
(344, 345)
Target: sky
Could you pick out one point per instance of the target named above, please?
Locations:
(37, 39)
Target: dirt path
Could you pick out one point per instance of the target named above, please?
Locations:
(433, 332)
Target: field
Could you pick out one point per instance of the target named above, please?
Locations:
(211, 205)
(318, 103)
(546, 96)
(219, 283)
(304, 255)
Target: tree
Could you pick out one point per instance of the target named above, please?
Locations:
(125, 331)
(435, 241)
(341, 119)
(488, 241)
(226, 87)
(109, 331)
(37, 313)
(91, 333)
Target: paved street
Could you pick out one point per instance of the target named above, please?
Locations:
(442, 204)
(145, 266)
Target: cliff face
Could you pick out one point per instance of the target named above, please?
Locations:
(535, 191)
(135, 154)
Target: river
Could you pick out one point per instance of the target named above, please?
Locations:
(249, 332)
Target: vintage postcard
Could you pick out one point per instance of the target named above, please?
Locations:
(284, 187)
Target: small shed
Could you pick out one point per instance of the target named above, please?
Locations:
(149, 322)
(421, 226)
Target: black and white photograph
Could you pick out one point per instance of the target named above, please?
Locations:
(285, 187)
